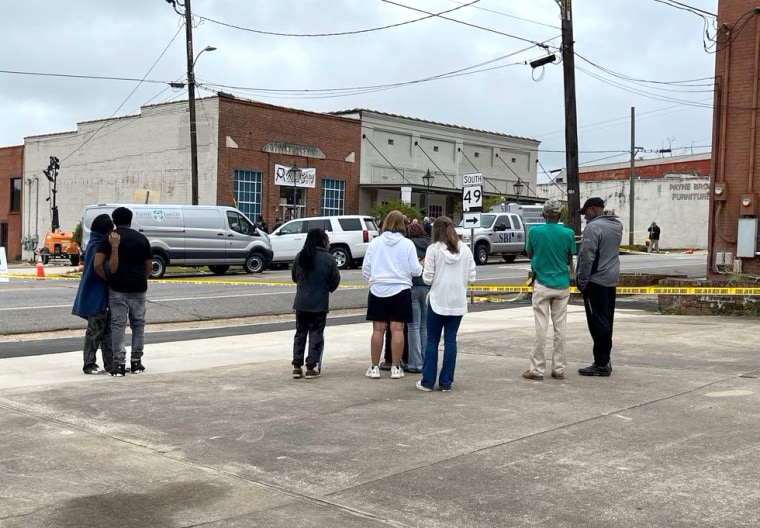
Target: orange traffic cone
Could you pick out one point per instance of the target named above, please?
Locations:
(689, 251)
(40, 268)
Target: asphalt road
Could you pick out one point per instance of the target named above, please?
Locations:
(27, 305)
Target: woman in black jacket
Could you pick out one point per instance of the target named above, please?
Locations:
(316, 276)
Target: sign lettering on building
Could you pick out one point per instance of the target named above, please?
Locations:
(283, 176)
(689, 191)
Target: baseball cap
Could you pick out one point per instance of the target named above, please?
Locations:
(592, 202)
(552, 206)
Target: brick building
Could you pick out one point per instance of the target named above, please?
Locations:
(735, 191)
(11, 192)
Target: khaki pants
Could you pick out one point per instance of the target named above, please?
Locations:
(549, 302)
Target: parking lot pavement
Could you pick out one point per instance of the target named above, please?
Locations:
(216, 434)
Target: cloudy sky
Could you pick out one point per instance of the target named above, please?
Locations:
(640, 40)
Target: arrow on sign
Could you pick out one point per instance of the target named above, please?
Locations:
(473, 220)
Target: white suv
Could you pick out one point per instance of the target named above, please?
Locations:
(350, 236)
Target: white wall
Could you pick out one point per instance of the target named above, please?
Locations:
(147, 151)
(678, 204)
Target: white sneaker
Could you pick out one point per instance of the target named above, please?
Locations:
(397, 373)
(421, 387)
(373, 372)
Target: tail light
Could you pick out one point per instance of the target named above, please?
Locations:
(365, 235)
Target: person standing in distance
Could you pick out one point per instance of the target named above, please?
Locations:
(316, 276)
(597, 276)
(449, 268)
(654, 238)
(550, 248)
(127, 287)
(389, 265)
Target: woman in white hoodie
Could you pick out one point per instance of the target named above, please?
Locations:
(449, 268)
(389, 264)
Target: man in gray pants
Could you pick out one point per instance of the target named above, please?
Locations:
(127, 278)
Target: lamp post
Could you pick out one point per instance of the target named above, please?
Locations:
(51, 173)
(193, 126)
(428, 179)
(518, 187)
(295, 173)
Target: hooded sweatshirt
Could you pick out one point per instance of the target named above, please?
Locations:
(421, 244)
(389, 264)
(598, 259)
(448, 274)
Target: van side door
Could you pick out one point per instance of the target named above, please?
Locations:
(205, 238)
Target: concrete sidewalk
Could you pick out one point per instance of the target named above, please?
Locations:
(216, 434)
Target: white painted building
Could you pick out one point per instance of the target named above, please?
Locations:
(670, 191)
(117, 159)
(397, 151)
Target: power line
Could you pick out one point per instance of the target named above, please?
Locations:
(89, 77)
(681, 83)
(535, 43)
(336, 34)
(508, 15)
(686, 7)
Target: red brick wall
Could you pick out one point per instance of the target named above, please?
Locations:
(253, 125)
(659, 170)
(733, 102)
(11, 166)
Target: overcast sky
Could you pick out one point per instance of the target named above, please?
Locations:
(642, 39)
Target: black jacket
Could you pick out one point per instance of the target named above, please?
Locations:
(420, 244)
(313, 291)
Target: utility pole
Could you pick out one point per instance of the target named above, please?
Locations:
(631, 193)
(571, 118)
(51, 173)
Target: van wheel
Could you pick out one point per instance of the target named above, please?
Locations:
(254, 263)
(158, 267)
(218, 270)
(481, 254)
(509, 258)
(342, 256)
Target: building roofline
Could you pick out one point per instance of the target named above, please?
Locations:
(253, 102)
(647, 162)
(361, 111)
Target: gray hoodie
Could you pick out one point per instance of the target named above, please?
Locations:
(598, 258)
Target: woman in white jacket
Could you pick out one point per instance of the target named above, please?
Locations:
(449, 268)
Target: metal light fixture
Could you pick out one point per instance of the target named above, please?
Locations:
(518, 187)
(428, 179)
(295, 173)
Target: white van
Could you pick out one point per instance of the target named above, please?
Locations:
(193, 235)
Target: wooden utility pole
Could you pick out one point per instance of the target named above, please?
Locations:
(571, 118)
(632, 192)
(191, 103)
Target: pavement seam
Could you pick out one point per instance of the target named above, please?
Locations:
(20, 408)
(529, 436)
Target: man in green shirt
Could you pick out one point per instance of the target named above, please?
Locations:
(550, 247)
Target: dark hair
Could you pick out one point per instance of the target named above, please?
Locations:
(102, 224)
(122, 216)
(443, 231)
(307, 258)
(415, 230)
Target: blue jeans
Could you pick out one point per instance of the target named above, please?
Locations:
(127, 307)
(449, 325)
(418, 327)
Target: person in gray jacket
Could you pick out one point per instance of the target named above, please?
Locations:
(597, 276)
(316, 276)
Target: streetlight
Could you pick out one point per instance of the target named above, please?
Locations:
(428, 179)
(193, 128)
(518, 187)
(295, 173)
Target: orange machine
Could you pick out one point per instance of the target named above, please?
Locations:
(58, 245)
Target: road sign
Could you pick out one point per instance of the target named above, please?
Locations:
(471, 220)
(474, 178)
(472, 198)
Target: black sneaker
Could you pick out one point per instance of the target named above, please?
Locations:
(297, 373)
(312, 373)
(595, 370)
(118, 371)
(91, 369)
(137, 367)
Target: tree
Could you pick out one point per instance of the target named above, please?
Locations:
(380, 211)
(76, 236)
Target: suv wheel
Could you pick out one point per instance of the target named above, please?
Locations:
(342, 256)
(481, 254)
(158, 267)
(509, 258)
(254, 263)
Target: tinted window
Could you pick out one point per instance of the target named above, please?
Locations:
(486, 220)
(239, 223)
(504, 220)
(371, 225)
(350, 224)
(292, 228)
(323, 224)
